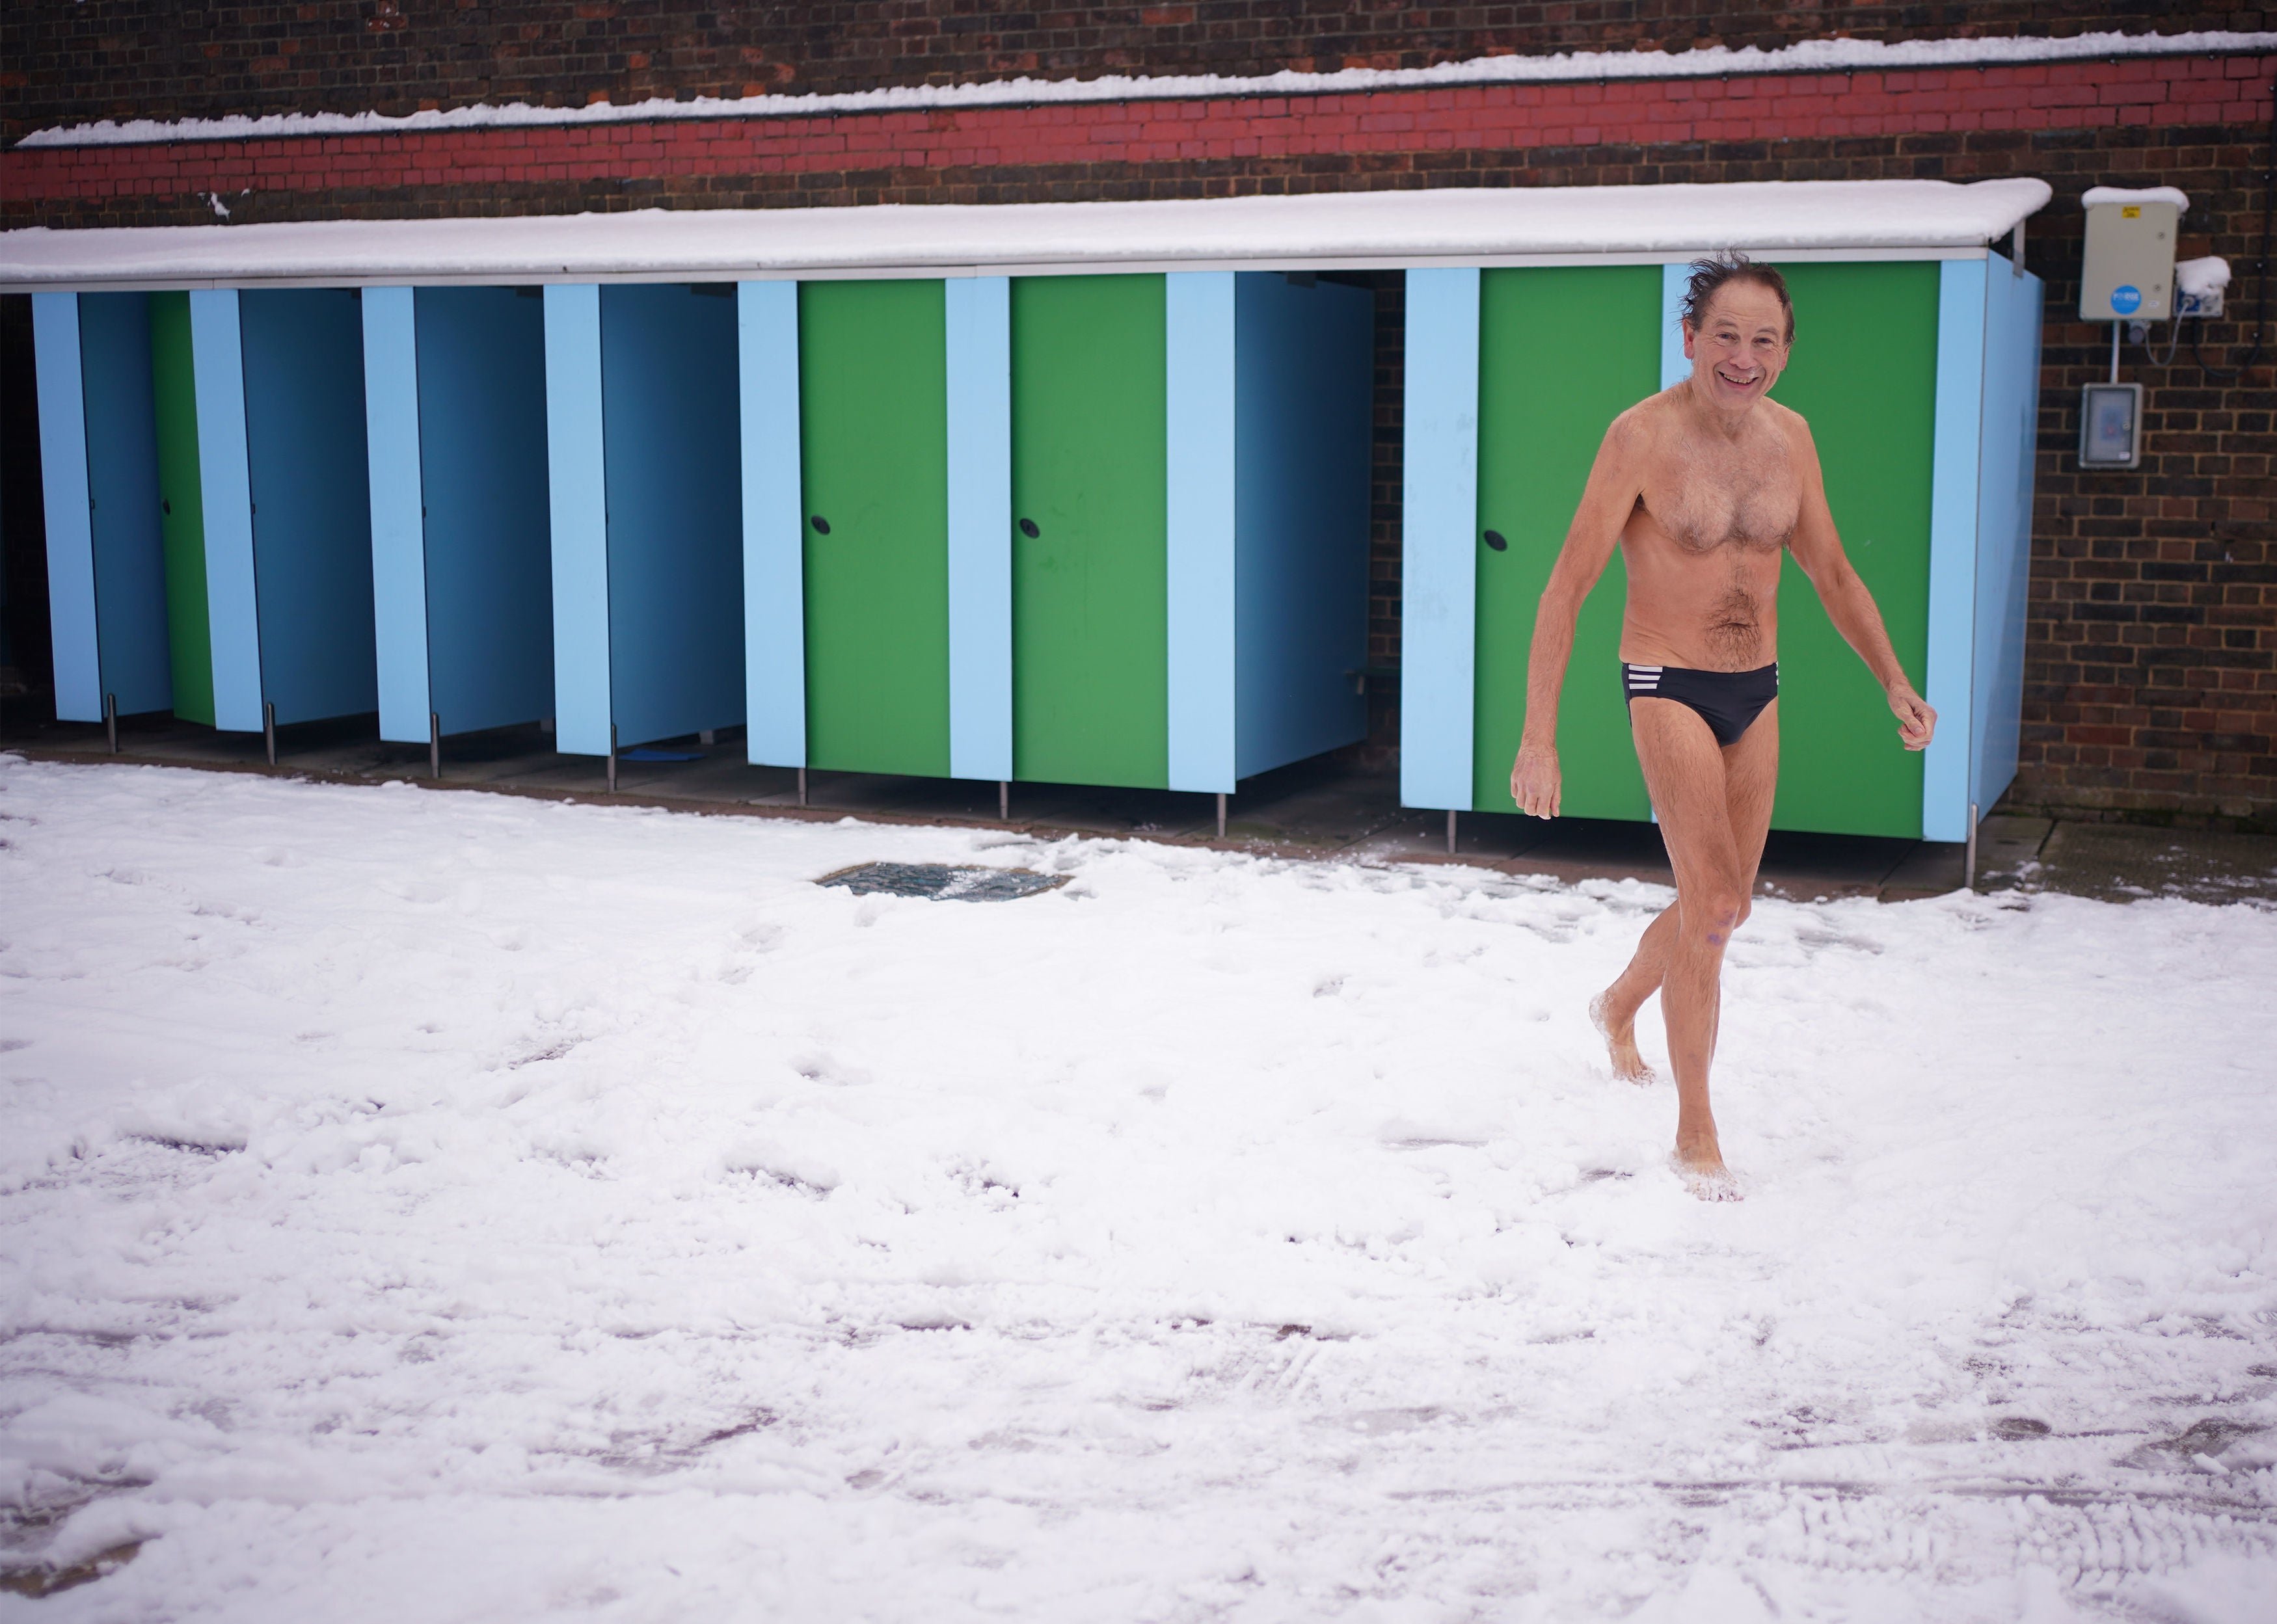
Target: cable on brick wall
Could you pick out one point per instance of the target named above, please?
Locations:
(2261, 293)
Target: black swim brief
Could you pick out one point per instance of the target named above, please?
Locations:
(1728, 700)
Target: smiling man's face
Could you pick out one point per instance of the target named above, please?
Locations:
(1740, 346)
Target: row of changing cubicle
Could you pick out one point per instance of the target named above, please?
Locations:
(1106, 528)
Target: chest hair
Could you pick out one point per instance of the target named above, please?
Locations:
(1744, 496)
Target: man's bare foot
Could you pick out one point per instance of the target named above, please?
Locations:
(1701, 1168)
(1620, 1045)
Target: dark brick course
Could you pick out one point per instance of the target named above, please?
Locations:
(75, 60)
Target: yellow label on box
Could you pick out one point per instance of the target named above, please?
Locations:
(2133, 211)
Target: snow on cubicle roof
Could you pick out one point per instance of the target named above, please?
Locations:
(1850, 218)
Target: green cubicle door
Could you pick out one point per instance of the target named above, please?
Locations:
(1090, 595)
(182, 507)
(1540, 424)
(873, 466)
(1864, 374)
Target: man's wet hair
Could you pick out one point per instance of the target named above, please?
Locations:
(1713, 272)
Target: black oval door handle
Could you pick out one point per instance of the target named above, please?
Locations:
(1494, 540)
(166, 506)
(1028, 529)
(821, 524)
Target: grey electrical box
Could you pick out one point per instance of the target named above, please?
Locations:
(2128, 273)
(2111, 426)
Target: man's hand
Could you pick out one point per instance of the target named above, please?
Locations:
(1917, 722)
(1534, 781)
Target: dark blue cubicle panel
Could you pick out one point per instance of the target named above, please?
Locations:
(672, 458)
(482, 460)
(1304, 432)
(305, 465)
(455, 390)
(122, 475)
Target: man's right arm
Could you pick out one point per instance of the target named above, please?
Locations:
(1616, 478)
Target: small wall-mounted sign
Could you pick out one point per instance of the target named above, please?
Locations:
(2111, 426)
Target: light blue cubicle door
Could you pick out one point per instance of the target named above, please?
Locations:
(225, 507)
(398, 525)
(577, 516)
(979, 363)
(2004, 524)
(76, 650)
(1439, 569)
(1199, 348)
(1949, 675)
(774, 524)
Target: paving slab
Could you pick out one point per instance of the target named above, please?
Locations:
(1491, 838)
(963, 800)
(1146, 814)
(2122, 862)
(1805, 867)
(1931, 868)
(2008, 849)
(1320, 816)
(1573, 849)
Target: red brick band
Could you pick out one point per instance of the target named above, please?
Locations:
(2149, 91)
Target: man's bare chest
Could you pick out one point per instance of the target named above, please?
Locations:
(1746, 499)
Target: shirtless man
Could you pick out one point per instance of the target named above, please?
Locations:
(1703, 486)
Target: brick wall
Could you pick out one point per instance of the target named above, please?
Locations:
(74, 60)
(1958, 124)
(2152, 656)
(1387, 503)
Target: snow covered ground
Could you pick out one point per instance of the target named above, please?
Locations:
(443, 1206)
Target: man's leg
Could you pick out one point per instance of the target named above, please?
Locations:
(1693, 782)
(1751, 779)
(1615, 1009)
(1750, 783)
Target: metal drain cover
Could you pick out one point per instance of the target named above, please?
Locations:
(942, 883)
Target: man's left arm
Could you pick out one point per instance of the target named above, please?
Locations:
(1818, 548)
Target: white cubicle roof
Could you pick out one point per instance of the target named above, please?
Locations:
(1823, 219)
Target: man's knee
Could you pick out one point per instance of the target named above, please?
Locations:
(1714, 910)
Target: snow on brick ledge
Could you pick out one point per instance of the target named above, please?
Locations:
(1579, 67)
(1457, 225)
